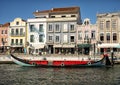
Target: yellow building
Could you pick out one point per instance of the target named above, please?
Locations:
(18, 34)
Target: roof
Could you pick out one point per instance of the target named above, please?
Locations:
(58, 10)
(5, 25)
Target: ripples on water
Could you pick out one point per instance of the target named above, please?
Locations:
(12, 74)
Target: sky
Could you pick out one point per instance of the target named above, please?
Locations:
(11, 9)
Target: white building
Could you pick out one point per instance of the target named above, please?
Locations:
(36, 35)
(109, 31)
(53, 31)
(61, 28)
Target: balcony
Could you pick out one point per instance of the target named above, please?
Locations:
(16, 44)
(17, 34)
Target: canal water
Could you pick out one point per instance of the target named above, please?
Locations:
(12, 74)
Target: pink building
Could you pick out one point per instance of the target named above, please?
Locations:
(86, 38)
(4, 37)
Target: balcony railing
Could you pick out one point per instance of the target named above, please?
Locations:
(16, 44)
(17, 34)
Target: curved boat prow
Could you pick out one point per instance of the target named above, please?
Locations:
(19, 61)
(108, 63)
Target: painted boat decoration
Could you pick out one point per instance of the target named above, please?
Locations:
(62, 63)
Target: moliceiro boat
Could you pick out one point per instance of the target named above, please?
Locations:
(45, 62)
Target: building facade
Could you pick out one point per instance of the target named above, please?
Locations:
(4, 37)
(17, 35)
(61, 29)
(86, 37)
(36, 35)
(109, 31)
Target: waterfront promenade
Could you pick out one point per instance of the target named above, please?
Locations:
(5, 58)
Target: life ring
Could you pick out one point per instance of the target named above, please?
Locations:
(89, 63)
(62, 64)
(33, 63)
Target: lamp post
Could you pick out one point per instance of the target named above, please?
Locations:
(112, 54)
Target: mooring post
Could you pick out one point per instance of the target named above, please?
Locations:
(112, 60)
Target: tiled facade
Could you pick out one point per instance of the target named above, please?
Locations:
(36, 35)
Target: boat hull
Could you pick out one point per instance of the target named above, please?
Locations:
(59, 63)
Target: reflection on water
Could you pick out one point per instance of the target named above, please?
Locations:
(12, 74)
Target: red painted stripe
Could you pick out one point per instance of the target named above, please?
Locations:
(59, 63)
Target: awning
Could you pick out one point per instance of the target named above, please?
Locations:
(68, 46)
(39, 46)
(57, 46)
(84, 45)
(107, 45)
(36, 46)
(117, 46)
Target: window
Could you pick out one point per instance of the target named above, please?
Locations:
(86, 22)
(2, 32)
(71, 38)
(101, 26)
(37, 50)
(12, 31)
(50, 38)
(50, 27)
(79, 35)
(72, 28)
(32, 29)
(108, 36)
(86, 35)
(5, 31)
(108, 25)
(31, 38)
(41, 28)
(63, 16)
(21, 31)
(57, 28)
(101, 37)
(72, 15)
(17, 23)
(114, 24)
(2, 40)
(93, 34)
(114, 36)
(17, 32)
(57, 38)
(21, 41)
(41, 38)
(12, 41)
(16, 41)
(52, 16)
